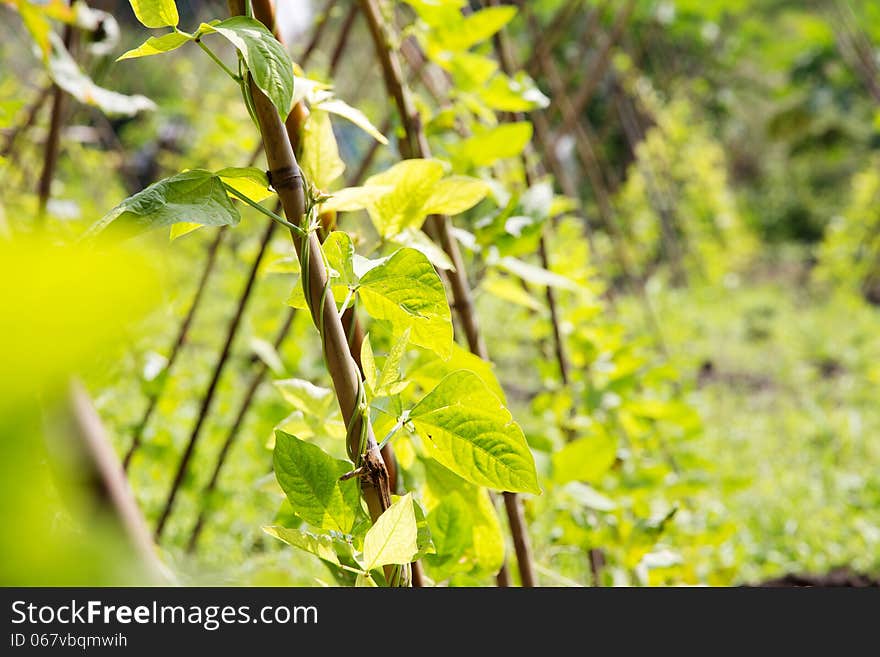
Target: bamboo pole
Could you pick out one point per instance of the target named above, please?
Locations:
(438, 227)
(287, 180)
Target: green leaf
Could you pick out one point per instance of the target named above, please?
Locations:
(306, 396)
(438, 12)
(518, 94)
(266, 59)
(504, 288)
(321, 545)
(412, 182)
(585, 459)
(158, 45)
(451, 526)
(431, 370)
(486, 548)
(391, 369)
(476, 28)
(249, 181)
(339, 250)
(346, 111)
(368, 363)
(467, 428)
(393, 539)
(268, 354)
(455, 195)
(67, 75)
(310, 479)
(418, 240)
(589, 497)
(320, 160)
(490, 145)
(406, 291)
(182, 228)
(195, 196)
(350, 199)
(156, 13)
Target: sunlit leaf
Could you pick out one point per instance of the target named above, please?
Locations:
(393, 539)
(310, 479)
(158, 45)
(265, 57)
(466, 428)
(195, 196)
(320, 161)
(156, 13)
(406, 291)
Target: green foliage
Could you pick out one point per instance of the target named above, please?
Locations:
(195, 196)
(467, 428)
(266, 59)
(393, 537)
(156, 13)
(849, 257)
(712, 433)
(310, 479)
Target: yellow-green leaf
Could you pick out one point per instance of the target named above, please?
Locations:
(455, 194)
(412, 182)
(465, 427)
(249, 181)
(585, 459)
(158, 45)
(350, 199)
(156, 13)
(346, 111)
(320, 160)
(393, 539)
(492, 144)
(310, 479)
(406, 291)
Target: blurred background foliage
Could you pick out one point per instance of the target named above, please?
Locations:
(718, 212)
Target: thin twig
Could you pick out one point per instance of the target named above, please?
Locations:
(50, 151)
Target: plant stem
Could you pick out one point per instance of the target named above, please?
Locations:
(219, 366)
(50, 151)
(100, 471)
(218, 61)
(415, 144)
(30, 118)
(347, 383)
(281, 221)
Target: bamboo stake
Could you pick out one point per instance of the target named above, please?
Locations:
(30, 118)
(415, 144)
(50, 152)
(600, 66)
(99, 469)
(532, 174)
(264, 12)
(287, 181)
(180, 339)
